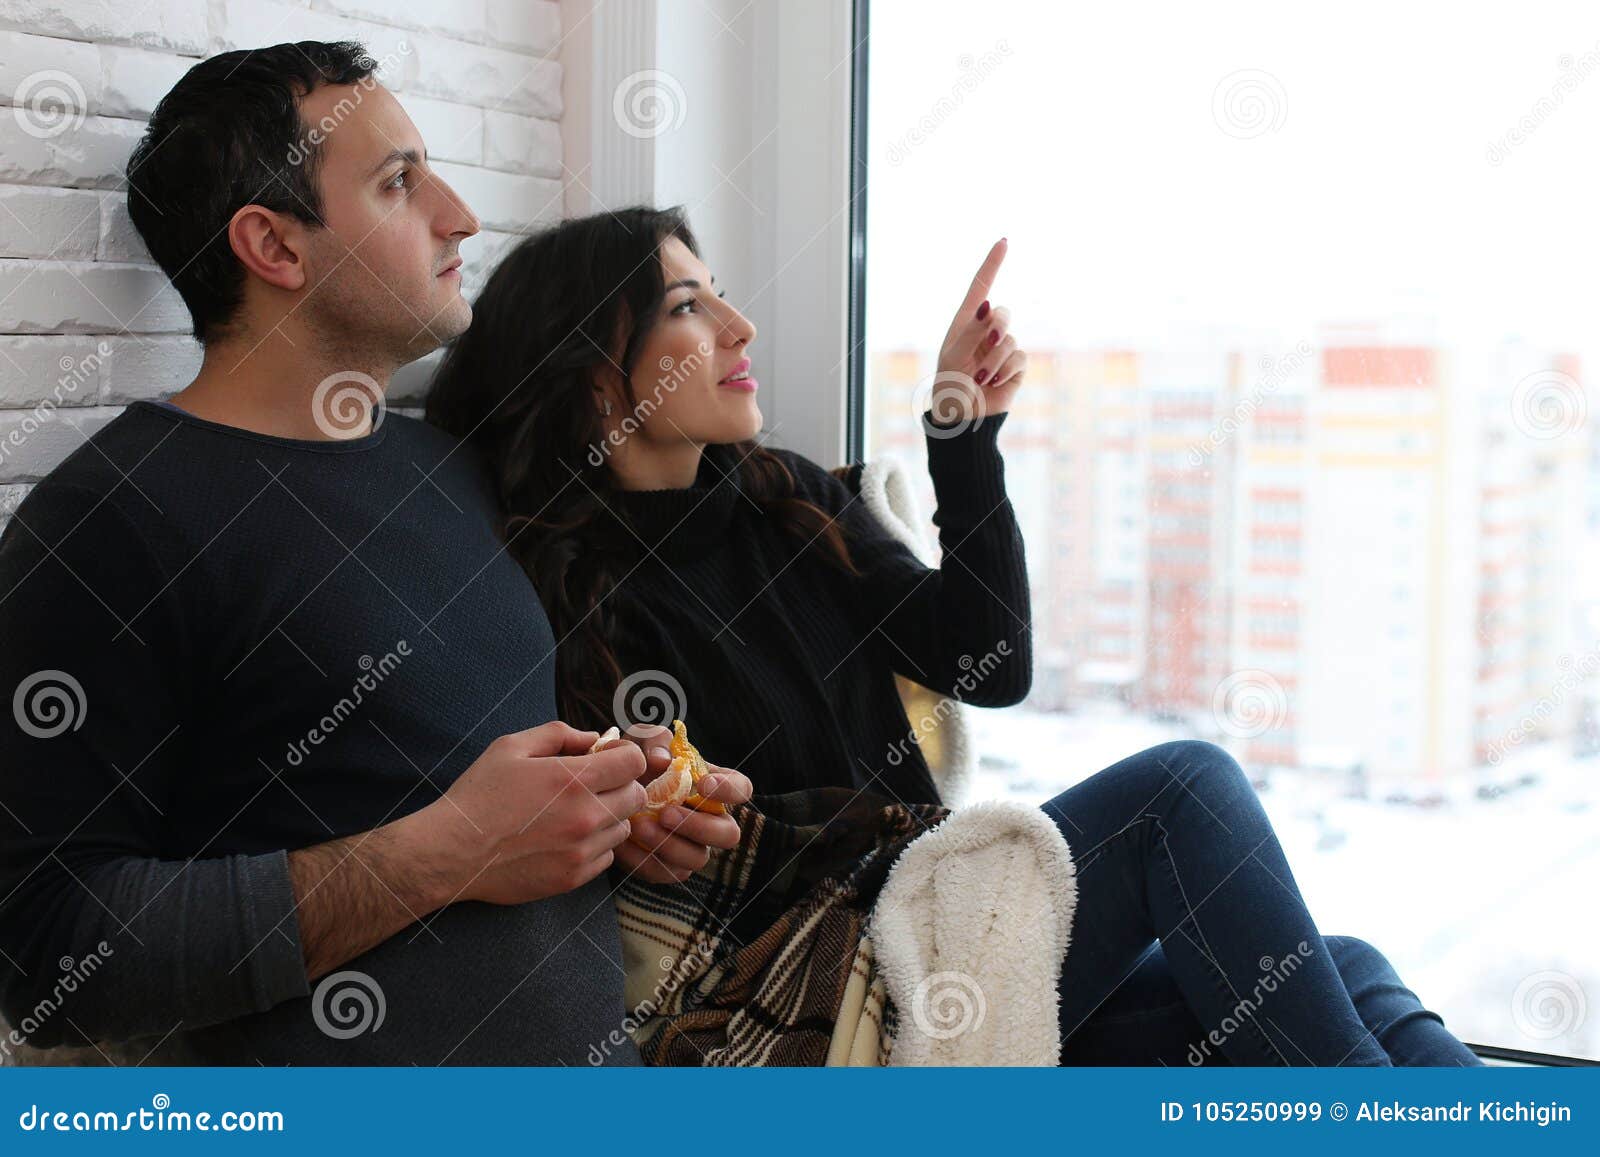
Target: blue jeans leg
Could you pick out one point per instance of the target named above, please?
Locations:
(1408, 1032)
(1172, 844)
(1147, 1021)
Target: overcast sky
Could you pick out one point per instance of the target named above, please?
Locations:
(1162, 168)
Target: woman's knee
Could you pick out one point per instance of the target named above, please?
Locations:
(1154, 779)
(1358, 960)
(1198, 764)
(1350, 948)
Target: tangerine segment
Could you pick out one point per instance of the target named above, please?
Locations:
(674, 785)
(683, 749)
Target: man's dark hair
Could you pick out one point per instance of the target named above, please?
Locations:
(229, 134)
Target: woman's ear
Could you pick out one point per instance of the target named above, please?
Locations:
(607, 386)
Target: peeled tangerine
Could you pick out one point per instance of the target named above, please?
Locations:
(676, 785)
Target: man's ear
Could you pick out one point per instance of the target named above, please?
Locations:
(270, 245)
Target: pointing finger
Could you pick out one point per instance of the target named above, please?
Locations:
(984, 280)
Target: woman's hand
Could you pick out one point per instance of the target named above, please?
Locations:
(980, 363)
(671, 847)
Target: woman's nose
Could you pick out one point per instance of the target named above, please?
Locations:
(741, 328)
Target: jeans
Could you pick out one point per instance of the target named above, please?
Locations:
(1191, 943)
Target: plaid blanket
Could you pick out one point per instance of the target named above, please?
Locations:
(762, 957)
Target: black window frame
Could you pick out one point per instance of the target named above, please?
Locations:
(855, 407)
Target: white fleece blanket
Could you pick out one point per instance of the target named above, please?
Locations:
(970, 932)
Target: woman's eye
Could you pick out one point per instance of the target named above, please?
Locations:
(690, 305)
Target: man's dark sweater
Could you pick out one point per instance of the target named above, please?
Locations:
(278, 643)
(786, 664)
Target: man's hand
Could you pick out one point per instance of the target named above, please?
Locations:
(536, 814)
(980, 364)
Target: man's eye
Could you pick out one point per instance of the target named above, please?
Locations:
(398, 179)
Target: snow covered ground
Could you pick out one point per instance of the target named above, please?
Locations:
(1485, 906)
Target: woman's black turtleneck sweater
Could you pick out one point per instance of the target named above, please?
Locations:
(786, 663)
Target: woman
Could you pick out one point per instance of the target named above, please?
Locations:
(605, 380)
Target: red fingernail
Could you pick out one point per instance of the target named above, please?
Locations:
(994, 336)
(983, 311)
(981, 375)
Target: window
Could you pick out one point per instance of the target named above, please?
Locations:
(1325, 345)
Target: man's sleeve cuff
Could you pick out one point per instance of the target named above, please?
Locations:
(275, 960)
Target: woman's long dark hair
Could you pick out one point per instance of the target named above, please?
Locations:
(519, 385)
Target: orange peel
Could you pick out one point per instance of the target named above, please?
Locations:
(682, 749)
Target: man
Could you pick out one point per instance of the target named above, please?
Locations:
(282, 759)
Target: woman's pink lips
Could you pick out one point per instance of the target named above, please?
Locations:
(748, 385)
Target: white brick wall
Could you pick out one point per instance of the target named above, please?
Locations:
(87, 321)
